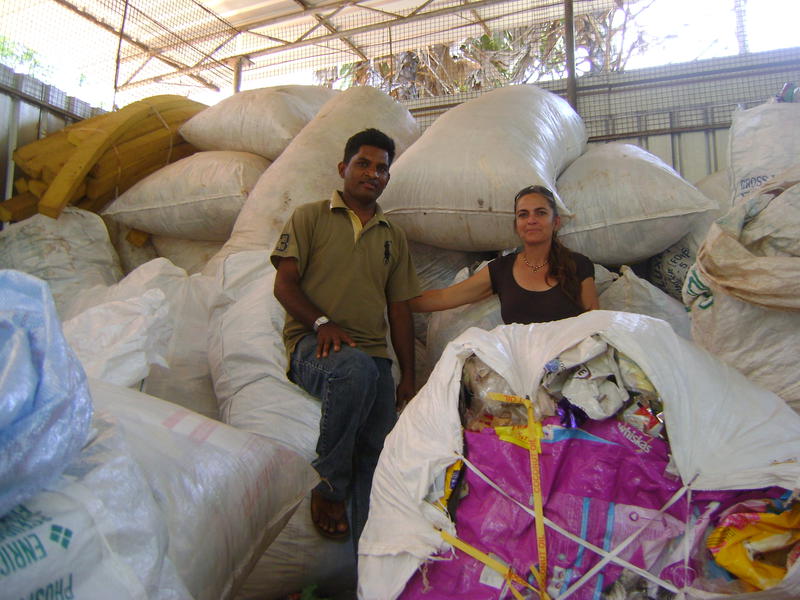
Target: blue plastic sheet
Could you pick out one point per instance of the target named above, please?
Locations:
(45, 405)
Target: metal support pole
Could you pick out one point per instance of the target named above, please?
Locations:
(237, 74)
(569, 41)
(13, 132)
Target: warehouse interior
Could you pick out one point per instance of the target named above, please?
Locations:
(154, 443)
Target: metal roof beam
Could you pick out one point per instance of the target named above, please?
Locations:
(133, 42)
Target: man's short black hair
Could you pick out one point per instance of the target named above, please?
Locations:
(369, 137)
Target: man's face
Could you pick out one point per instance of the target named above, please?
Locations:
(366, 175)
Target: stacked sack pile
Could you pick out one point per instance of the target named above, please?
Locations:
(194, 320)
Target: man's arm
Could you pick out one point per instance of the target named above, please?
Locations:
(288, 292)
(401, 325)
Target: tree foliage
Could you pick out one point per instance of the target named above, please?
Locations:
(21, 58)
(604, 41)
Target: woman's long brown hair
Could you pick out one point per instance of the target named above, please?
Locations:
(561, 265)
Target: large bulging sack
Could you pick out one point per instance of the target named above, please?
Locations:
(738, 437)
(455, 186)
(160, 503)
(195, 198)
(307, 169)
(46, 405)
(248, 363)
(744, 289)
(633, 294)
(182, 375)
(668, 269)
(764, 142)
(629, 205)
(260, 121)
(70, 253)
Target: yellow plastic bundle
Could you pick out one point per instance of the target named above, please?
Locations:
(753, 546)
(91, 162)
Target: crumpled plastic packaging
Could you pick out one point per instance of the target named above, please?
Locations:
(46, 410)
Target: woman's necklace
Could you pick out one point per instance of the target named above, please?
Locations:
(533, 267)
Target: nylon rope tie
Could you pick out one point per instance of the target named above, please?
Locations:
(626, 542)
(166, 126)
(571, 536)
(534, 450)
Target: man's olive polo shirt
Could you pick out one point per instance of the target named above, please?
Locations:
(348, 274)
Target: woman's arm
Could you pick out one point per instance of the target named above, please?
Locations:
(589, 294)
(473, 289)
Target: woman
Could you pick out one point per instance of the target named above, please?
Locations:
(544, 281)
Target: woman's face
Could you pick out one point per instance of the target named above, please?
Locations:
(535, 219)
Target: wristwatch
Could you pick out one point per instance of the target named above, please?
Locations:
(320, 322)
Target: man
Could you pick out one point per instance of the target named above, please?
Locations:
(340, 266)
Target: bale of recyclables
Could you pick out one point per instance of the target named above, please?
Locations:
(85, 257)
(184, 377)
(764, 141)
(196, 198)
(262, 121)
(307, 170)
(743, 290)
(455, 186)
(629, 205)
(90, 162)
(121, 521)
(738, 437)
(130, 507)
(248, 364)
(668, 269)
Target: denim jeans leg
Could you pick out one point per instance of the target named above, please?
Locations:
(345, 382)
(369, 444)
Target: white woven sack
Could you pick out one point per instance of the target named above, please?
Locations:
(98, 530)
(307, 170)
(71, 253)
(764, 142)
(261, 121)
(633, 294)
(187, 378)
(629, 205)
(744, 289)
(248, 362)
(195, 198)
(224, 494)
(668, 269)
(119, 341)
(756, 442)
(189, 255)
(455, 186)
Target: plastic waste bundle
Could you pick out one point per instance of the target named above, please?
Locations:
(622, 499)
(743, 290)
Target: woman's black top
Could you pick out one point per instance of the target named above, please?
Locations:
(518, 305)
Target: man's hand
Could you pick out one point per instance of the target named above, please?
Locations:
(331, 336)
(405, 392)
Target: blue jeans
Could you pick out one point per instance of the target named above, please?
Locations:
(358, 411)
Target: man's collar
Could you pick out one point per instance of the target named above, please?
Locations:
(338, 202)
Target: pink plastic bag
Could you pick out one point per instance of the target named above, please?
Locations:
(601, 482)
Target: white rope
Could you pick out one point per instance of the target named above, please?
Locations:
(609, 556)
(624, 544)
